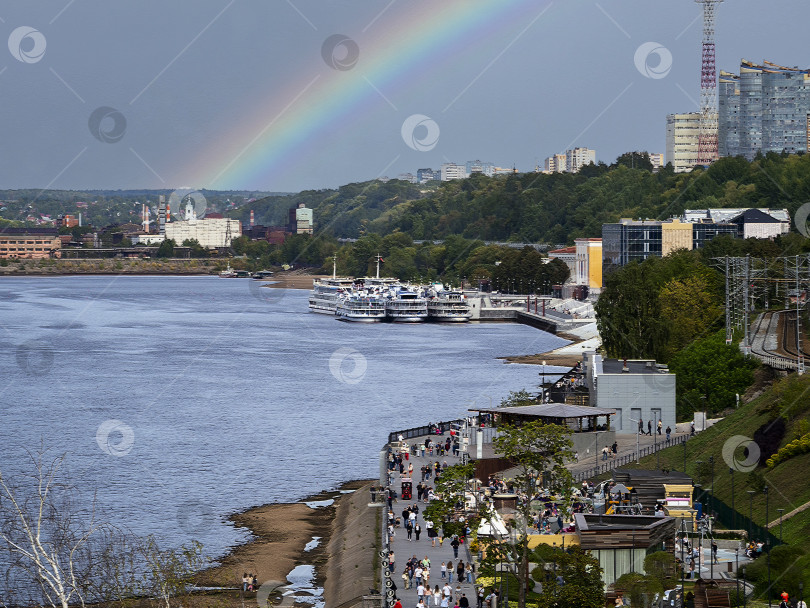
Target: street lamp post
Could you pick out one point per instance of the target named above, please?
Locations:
(711, 488)
(750, 514)
(737, 571)
(767, 546)
(638, 433)
(684, 453)
(745, 591)
(781, 511)
(733, 512)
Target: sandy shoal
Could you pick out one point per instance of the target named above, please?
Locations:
(280, 533)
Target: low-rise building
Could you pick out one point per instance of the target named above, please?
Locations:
(208, 232)
(29, 243)
(638, 390)
(589, 264)
(567, 255)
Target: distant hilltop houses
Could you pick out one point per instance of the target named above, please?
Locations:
(570, 161)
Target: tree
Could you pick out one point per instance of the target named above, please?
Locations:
(169, 572)
(49, 540)
(448, 510)
(710, 375)
(581, 581)
(535, 449)
(197, 250)
(166, 249)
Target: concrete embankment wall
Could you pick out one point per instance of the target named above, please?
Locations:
(352, 551)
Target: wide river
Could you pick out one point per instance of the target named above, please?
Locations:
(180, 400)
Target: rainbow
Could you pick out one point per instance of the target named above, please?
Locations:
(280, 132)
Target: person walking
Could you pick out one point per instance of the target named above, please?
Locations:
(660, 426)
(437, 596)
(460, 571)
(444, 570)
(406, 578)
(669, 432)
(420, 593)
(640, 426)
(463, 602)
(454, 543)
(469, 572)
(449, 572)
(649, 427)
(431, 532)
(481, 593)
(417, 530)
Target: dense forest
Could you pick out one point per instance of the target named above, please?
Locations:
(539, 208)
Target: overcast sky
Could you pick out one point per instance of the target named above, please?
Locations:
(285, 95)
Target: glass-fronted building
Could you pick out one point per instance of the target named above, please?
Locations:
(636, 240)
(772, 104)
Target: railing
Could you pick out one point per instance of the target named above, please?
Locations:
(614, 463)
(736, 520)
(430, 429)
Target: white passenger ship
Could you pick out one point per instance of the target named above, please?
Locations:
(448, 307)
(361, 307)
(326, 293)
(406, 306)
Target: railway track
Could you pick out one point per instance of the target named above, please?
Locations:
(773, 340)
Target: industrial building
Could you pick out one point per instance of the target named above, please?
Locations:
(300, 220)
(764, 109)
(208, 232)
(635, 390)
(29, 243)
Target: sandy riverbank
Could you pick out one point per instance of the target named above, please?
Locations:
(282, 532)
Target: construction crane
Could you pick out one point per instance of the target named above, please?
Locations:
(707, 137)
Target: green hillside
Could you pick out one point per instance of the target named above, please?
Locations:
(539, 208)
(785, 405)
(777, 417)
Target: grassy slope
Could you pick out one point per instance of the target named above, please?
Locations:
(788, 482)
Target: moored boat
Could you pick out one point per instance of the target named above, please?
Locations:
(448, 307)
(406, 306)
(361, 307)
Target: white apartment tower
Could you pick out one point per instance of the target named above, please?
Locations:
(682, 140)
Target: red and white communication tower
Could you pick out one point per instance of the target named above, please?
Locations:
(707, 138)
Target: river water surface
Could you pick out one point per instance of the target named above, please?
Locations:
(180, 400)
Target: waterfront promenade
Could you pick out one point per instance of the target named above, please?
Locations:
(404, 549)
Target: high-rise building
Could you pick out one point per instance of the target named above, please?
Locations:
(570, 161)
(683, 131)
(555, 164)
(477, 166)
(453, 171)
(426, 175)
(764, 109)
(728, 114)
(657, 160)
(577, 158)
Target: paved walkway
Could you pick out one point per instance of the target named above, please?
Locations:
(404, 549)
